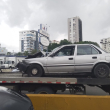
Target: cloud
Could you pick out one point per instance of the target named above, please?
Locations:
(28, 14)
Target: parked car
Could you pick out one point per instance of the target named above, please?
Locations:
(11, 100)
(74, 58)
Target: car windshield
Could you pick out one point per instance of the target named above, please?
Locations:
(55, 49)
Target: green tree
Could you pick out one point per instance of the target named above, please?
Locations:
(64, 42)
(19, 54)
(26, 53)
(87, 42)
(33, 51)
(8, 53)
(54, 45)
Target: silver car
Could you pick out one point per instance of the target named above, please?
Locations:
(74, 58)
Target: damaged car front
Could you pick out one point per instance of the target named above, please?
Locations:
(22, 66)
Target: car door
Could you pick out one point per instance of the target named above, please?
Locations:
(85, 58)
(62, 61)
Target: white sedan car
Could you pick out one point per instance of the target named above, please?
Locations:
(75, 58)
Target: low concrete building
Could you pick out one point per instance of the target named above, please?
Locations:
(54, 41)
(105, 44)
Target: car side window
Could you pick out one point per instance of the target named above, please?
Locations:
(66, 51)
(86, 50)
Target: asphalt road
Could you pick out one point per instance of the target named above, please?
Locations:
(89, 91)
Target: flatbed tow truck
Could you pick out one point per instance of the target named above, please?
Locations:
(50, 85)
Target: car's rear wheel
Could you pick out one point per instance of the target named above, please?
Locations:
(101, 71)
(35, 71)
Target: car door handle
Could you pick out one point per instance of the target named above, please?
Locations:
(94, 57)
(70, 58)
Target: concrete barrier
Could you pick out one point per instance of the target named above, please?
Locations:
(69, 102)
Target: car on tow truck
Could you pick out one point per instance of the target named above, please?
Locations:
(74, 58)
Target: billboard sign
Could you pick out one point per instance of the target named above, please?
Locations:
(3, 50)
(43, 27)
(44, 41)
(43, 33)
(43, 30)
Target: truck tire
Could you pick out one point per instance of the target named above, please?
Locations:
(101, 71)
(35, 71)
(44, 90)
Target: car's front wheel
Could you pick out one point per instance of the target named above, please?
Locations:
(35, 71)
(101, 71)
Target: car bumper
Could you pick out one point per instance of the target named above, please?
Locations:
(22, 67)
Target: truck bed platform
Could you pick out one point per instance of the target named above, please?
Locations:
(17, 78)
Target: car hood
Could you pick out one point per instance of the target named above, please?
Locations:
(36, 55)
(40, 60)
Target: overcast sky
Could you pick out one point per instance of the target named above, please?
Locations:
(19, 15)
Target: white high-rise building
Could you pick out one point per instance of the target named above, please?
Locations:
(105, 44)
(32, 39)
(74, 29)
(27, 40)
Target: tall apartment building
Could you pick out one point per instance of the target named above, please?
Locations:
(27, 40)
(74, 29)
(105, 44)
(31, 39)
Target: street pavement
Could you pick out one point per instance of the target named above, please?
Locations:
(89, 91)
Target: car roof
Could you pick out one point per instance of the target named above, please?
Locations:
(75, 44)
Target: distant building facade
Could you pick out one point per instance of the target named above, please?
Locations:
(55, 41)
(32, 39)
(105, 44)
(74, 29)
(3, 51)
(27, 40)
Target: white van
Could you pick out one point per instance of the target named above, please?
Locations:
(7, 64)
